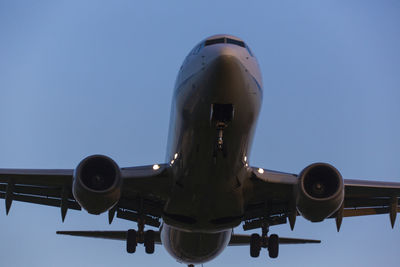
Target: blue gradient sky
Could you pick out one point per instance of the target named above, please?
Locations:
(85, 77)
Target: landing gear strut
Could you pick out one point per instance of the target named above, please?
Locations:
(271, 243)
(220, 144)
(221, 115)
(220, 139)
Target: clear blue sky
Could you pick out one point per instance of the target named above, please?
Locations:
(85, 77)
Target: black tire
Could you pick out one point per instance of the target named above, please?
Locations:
(255, 245)
(131, 241)
(273, 246)
(149, 241)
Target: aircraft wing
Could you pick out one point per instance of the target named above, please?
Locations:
(272, 199)
(144, 190)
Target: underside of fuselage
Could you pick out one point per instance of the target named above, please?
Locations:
(209, 175)
(194, 247)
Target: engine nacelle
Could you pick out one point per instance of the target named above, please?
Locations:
(97, 184)
(320, 191)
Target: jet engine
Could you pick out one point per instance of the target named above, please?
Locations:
(320, 191)
(97, 184)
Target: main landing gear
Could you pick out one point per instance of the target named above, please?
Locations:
(264, 241)
(134, 237)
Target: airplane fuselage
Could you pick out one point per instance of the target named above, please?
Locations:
(216, 102)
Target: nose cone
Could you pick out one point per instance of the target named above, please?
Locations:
(227, 54)
(226, 75)
(226, 66)
(225, 50)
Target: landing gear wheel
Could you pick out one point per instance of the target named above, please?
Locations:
(149, 241)
(273, 246)
(131, 241)
(255, 245)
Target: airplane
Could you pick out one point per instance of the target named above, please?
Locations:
(206, 187)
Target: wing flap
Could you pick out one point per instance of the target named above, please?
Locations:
(53, 202)
(48, 192)
(44, 177)
(364, 198)
(367, 202)
(366, 211)
(38, 186)
(370, 189)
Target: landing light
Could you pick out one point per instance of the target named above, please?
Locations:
(176, 156)
(156, 167)
(245, 158)
(260, 170)
(172, 162)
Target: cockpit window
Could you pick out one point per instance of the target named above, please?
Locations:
(222, 40)
(225, 41)
(235, 42)
(215, 41)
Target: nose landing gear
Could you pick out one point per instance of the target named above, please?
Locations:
(221, 115)
(220, 143)
(220, 139)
